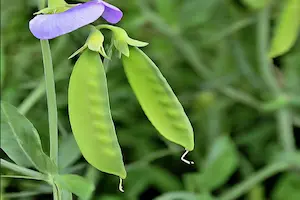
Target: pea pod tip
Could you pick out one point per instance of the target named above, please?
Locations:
(185, 160)
(121, 185)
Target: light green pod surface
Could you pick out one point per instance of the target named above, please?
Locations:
(90, 116)
(157, 99)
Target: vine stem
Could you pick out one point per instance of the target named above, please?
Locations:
(51, 100)
(254, 179)
(283, 115)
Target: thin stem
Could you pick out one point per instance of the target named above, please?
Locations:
(24, 194)
(284, 120)
(106, 26)
(32, 99)
(266, 68)
(51, 100)
(151, 157)
(56, 193)
(22, 177)
(22, 170)
(254, 179)
(232, 28)
(285, 128)
(240, 96)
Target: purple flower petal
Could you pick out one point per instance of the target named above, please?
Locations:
(111, 13)
(53, 25)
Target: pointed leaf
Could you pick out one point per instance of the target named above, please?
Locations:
(90, 115)
(75, 184)
(136, 43)
(68, 152)
(287, 186)
(122, 46)
(287, 29)
(157, 99)
(20, 140)
(221, 163)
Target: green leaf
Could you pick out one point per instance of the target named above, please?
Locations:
(287, 29)
(75, 184)
(256, 4)
(157, 99)
(256, 193)
(90, 115)
(221, 163)
(184, 196)
(194, 13)
(136, 43)
(287, 186)
(142, 178)
(110, 197)
(68, 152)
(191, 181)
(21, 141)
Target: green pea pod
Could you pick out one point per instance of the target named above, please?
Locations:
(158, 100)
(90, 115)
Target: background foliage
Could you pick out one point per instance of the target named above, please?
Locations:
(211, 53)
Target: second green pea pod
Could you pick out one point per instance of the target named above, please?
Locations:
(157, 99)
(90, 115)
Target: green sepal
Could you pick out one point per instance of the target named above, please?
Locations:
(94, 42)
(53, 10)
(122, 40)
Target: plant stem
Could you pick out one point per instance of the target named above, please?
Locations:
(22, 195)
(56, 193)
(22, 177)
(284, 120)
(51, 100)
(22, 170)
(267, 71)
(254, 179)
(32, 99)
(285, 128)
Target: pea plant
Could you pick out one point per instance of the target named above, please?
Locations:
(88, 101)
(91, 118)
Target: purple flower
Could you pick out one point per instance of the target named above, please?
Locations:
(49, 26)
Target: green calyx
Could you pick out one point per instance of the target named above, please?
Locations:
(122, 40)
(94, 42)
(56, 3)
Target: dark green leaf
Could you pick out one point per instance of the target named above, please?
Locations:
(221, 162)
(75, 184)
(288, 187)
(68, 152)
(21, 141)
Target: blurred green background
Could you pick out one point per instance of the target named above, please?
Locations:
(211, 53)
